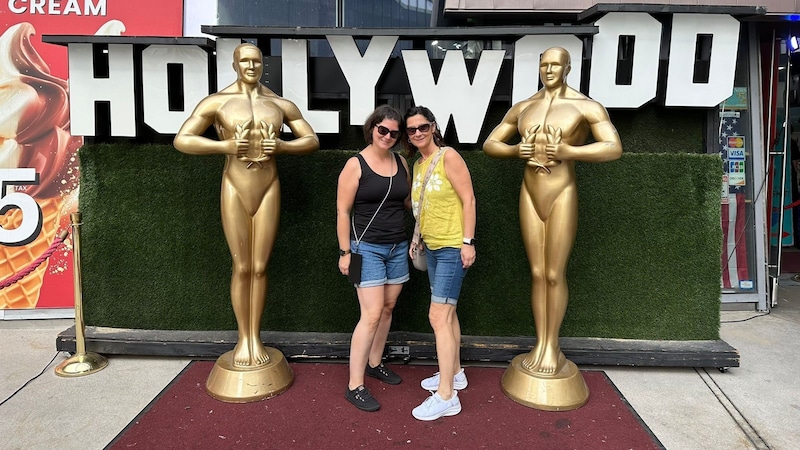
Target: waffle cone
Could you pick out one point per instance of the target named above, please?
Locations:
(25, 292)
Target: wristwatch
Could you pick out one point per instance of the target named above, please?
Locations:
(343, 252)
(469, 241)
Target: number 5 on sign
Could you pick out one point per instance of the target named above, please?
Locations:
(31, 224)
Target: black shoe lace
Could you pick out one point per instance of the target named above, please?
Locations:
(364, 395)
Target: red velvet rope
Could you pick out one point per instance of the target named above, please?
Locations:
(792, 205)
(36, 263)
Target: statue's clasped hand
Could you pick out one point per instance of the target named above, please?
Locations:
(528, 145)
(553, 146)
(268, 143)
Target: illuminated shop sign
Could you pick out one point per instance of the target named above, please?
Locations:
(461, 88)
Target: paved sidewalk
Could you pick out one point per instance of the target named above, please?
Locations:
(755, 406)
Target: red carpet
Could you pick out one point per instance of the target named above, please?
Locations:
(790, 261)
(314, 414)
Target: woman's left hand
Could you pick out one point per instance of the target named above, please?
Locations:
(467, 255)
(344, 264)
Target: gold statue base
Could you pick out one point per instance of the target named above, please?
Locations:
(249, 384)
(563, 391)
(81, 364)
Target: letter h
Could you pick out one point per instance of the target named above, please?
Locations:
(86, 89)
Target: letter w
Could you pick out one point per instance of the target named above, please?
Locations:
(453, 93)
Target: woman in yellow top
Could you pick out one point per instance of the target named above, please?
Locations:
(447, 226)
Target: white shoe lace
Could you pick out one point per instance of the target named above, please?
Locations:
(429, 402)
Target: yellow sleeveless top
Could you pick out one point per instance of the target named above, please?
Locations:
(441, 217)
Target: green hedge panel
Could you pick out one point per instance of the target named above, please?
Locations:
(646, 262)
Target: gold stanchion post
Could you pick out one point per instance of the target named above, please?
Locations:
(82, 362)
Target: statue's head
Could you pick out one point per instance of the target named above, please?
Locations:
(248, 63)
(554, 65)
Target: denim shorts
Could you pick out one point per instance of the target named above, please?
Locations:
(382, 263)
(446, 273)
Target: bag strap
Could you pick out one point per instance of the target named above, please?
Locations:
(428, 173)
(353, 223)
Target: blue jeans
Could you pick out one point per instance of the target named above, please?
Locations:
(382, 263)
(446, 274)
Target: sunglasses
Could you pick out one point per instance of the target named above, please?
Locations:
(383, 131)
(424, 128)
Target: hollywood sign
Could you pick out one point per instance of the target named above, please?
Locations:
(452, 94)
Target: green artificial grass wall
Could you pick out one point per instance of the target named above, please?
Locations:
(646, 261)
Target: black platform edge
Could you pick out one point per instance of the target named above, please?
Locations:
(403, 345)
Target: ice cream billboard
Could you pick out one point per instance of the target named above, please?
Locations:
(39, 171)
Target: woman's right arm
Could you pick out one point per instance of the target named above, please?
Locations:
(345, 197)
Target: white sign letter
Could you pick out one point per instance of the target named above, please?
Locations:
(603, 85)
(681, 88)
(454, 94)
(362, 73)
(226, 75)
(85, 89)
(154, 79)
(295, 86)
(95, 10)
(15, 9)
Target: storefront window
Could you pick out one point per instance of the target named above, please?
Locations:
(732, 131)
(386, 13)
(313, 13)
(784, 162)
(283, 13)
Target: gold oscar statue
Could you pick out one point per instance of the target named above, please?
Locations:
(553, 125)
(248, 118)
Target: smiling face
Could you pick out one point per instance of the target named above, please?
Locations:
(416, 124)
(247, 62)
(385, 142)
(554, 67)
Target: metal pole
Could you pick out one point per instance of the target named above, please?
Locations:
(784, 161)
(771, 165)
(81, 363)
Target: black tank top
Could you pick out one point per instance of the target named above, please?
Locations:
(389, 226)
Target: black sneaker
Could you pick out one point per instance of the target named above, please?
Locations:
(384, 374)
(363, 400)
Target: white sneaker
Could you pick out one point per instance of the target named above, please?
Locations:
(434, 407)
(432, 383)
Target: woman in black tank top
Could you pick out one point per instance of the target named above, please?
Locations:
(375, 188)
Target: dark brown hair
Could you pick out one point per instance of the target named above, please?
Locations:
(411, 150)
(380, 114)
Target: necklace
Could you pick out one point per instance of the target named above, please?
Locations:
(423, 157)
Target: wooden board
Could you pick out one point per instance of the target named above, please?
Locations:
(405, 346)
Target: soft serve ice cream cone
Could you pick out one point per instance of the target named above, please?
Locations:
(34, 133)
(25, 293)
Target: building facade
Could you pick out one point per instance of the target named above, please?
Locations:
(675, 76)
